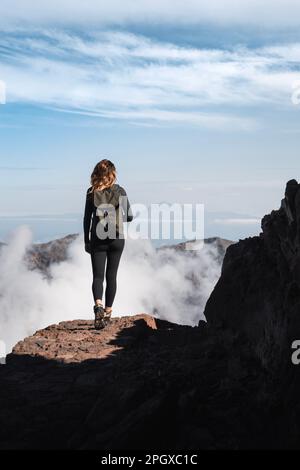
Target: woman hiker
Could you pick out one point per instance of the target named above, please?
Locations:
(106, 208)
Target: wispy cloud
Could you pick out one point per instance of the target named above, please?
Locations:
(119, 75)
(253, 12)
(22, 168)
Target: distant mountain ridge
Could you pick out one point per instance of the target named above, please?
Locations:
(41, 255)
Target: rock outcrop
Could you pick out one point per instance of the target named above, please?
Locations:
(258, 293)
(141, 383)
(77, 341)
(69, 386)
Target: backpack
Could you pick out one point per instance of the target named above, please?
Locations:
(108, 212)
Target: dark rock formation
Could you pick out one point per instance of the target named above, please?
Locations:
(141, 384)
(258, 293)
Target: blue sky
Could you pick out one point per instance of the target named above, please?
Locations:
(191, 101)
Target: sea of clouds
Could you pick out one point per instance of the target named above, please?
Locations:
(172, 284)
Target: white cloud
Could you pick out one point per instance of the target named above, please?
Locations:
(247, 12)
(2, 92)
(126, 76)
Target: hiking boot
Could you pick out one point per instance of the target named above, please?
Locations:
(99, 317)
(107, 317)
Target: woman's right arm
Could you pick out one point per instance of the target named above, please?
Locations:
(88, 210)
(128, 215)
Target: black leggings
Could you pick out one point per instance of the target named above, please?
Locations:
(109, 251)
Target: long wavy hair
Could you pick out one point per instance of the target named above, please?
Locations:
(104, 175)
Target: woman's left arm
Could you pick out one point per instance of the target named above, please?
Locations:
(88, 210)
